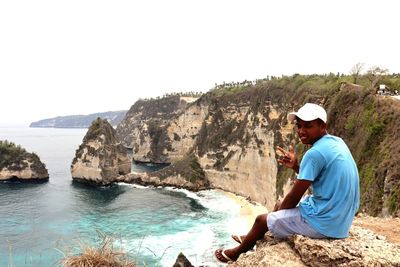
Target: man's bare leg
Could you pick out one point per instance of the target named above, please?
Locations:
(242, 237)
(256, 232)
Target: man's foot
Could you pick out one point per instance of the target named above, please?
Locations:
(224, 256)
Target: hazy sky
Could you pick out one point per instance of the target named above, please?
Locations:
(81, 57)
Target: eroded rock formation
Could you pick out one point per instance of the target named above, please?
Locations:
(101, 158)
(17, 164)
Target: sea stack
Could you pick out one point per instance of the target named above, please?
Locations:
(16, 164)
(101, 158)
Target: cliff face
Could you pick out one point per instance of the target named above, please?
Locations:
(100, 159)
(235, 146)
(17, 164)
(161, 130)
(233, 135)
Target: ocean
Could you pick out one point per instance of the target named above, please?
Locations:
(42, 223)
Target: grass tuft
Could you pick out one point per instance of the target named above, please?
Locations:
(105, 256)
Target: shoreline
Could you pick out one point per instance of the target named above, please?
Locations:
(248, 210)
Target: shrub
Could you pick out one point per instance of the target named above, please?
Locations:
(10, 153)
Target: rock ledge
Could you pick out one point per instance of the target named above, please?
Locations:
(361, 248)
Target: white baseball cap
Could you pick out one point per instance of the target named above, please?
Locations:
(309, 112)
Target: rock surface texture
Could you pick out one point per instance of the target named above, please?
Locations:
(161, 130)
(101, 158)
(362, 248)
(17, 164)
(230, 137)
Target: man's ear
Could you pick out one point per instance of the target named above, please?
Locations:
(323, 127)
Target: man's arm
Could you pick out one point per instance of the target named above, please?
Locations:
(296, 192)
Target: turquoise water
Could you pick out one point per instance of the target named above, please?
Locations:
(40, 223)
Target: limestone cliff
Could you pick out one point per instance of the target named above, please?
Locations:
(234, 132)
(17, 164)
(101, 158)
(236, 146)
(232, 136)
(161, 130)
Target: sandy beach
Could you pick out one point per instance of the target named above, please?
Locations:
(248, 210)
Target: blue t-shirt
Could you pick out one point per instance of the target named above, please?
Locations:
(329, 165)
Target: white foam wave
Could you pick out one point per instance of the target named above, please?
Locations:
(222, 218)
(211, 199)
(133, 185)
(197, 244)
(220, 205)
(188, 193)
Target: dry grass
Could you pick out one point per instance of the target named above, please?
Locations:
(104, 256)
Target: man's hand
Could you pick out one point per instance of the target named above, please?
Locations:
(288, 158)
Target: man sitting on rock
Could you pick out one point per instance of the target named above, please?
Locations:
(329, 168)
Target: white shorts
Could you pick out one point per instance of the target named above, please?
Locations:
(284, 223)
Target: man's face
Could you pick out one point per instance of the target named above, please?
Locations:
(310, 131)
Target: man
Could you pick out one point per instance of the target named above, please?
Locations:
(329, 168)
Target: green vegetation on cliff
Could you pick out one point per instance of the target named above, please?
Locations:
(188, 168)
(370, 126)
(12, 155)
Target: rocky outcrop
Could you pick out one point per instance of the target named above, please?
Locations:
(101, 158)
(362, 248)
(151, 179)
(186, 173)
(182, 261)
(16, 164)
